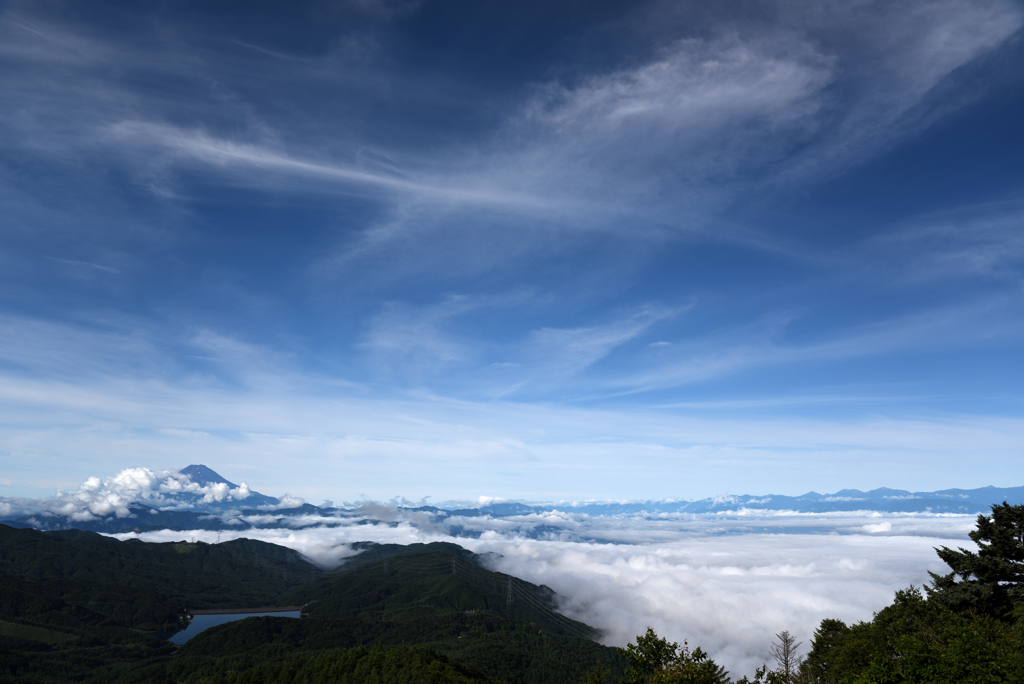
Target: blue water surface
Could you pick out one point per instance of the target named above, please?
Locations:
(201, 622)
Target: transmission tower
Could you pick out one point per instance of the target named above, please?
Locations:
(453, 566)
(508, 597)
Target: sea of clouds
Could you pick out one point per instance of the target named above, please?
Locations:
(726, 582)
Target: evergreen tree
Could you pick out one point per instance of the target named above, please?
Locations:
(654, 660)
(690, 668)
(597, 675)
(990, 581)
(829, 642)
(649, 654)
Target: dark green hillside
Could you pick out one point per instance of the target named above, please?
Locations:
(395, 666)
(72, 603)
(240, 573)
(74, 607)
(409, 595)
(83, 608)
(422, 581)
(359, 665)
(503, 650)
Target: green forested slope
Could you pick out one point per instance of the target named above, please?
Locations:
(359, 665)
(418, 581)
(234, 574)
(501, 648)
(86, 607)
(74, 607)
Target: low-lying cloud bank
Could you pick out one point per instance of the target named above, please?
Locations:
(725, 582)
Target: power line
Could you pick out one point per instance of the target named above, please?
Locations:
(561, 621)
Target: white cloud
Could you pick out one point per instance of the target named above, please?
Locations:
(706, 107)
(100, 498)
(566, 351)
(714, 107)
(286, 501)
(421, 337)
(727, 593)
(438, 340)
(766, 344)
(981, 242)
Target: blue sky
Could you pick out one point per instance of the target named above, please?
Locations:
(531, 250)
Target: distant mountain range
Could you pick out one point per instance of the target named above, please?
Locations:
(882, 499)
(208, 501)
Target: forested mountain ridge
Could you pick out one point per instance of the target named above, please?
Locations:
(391, 581)
(242, 572)
(76, 606)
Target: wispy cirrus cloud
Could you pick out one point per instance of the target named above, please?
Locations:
(431, 340)
(718, 109)
(972, 243)
(261, 165)
(561, 352)
(66, 404)
(765, 344)
(403, 334)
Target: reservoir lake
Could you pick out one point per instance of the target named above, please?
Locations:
(203, 622)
